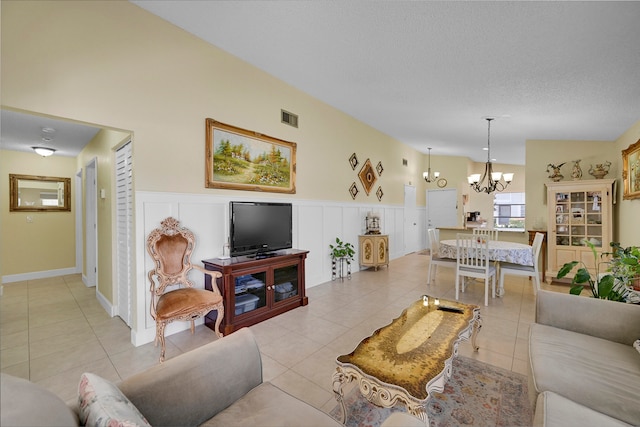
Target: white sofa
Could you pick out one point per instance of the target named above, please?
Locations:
(584, 369)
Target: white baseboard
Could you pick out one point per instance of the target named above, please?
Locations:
(110, 309)
(38, 275)
(85, 280)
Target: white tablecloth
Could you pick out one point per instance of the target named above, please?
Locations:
(516, 253)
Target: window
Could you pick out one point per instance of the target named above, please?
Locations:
(509, 211)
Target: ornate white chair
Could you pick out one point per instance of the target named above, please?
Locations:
(436, 260)
(170, 247)
(473, 261)
(525, 270)
(492, 233)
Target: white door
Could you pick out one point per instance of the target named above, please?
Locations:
(79, 204)
(124, 229)
(411, 229)
(91, 224)
(442, 209)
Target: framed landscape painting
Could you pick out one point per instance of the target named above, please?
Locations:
(631, 171)
(240, 159)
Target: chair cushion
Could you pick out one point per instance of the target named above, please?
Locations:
(184, 301)
(555, 410)
(442, 259)
(101, 403)
(267, 405)
(27, 404)
(512, 266)
(594, 372)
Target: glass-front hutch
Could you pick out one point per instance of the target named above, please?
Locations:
(579, 212)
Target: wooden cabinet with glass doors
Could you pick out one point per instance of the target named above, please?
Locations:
(579, 211)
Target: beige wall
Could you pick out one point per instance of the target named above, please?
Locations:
(135, 71)
(540, 153)
(48, 242)
(102, 148)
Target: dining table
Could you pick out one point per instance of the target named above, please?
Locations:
(501, 251)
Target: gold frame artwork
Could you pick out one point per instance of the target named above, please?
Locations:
(631, 171)
(367, 176)
(56, 188)
(240, 159)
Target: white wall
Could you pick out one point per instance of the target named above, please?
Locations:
(316, 224)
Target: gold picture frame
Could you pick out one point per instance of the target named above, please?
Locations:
(240, 159)
(631, 171)
(34, 193)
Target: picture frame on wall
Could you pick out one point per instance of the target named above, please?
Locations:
(367, 176)
(241, 159)
(631, 171)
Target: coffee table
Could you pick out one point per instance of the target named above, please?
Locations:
(410, 357)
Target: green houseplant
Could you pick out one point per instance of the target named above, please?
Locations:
(342, 251)
(625, 265)
(601, 285)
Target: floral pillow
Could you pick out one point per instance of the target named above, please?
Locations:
(102, 404)
(636, 345)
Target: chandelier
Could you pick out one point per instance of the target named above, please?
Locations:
(496, 181)
(428, 176)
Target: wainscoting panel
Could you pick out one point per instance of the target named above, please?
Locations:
(316, 224)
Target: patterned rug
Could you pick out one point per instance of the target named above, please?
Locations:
(477, 394)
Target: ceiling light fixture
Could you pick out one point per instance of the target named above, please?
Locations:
(44, 151)
(494, 179)
(428, 176)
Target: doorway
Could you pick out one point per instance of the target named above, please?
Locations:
(442, 209)
(91, 223)
(78, 226)
(411, 229)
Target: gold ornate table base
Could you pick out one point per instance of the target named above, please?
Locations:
(410, 358)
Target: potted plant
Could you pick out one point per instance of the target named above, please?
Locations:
(625, 265)
(601, 285)
(341, 251)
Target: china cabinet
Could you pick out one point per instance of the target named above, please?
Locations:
(579, 211)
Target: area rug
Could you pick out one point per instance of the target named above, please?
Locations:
(477, 394)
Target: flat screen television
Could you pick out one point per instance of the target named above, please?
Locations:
(259, 228)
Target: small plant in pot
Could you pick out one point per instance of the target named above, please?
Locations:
(341, 251)
(601, 285)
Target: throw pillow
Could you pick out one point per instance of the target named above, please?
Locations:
(637, 345)
(102, 404)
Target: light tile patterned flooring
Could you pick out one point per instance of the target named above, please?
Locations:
(52, 330)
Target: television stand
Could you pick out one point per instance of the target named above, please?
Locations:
(256, 288)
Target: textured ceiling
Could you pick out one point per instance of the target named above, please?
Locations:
(426, 73)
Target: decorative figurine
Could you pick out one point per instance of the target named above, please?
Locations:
(576, 173)
(600, 170)
(556, 175)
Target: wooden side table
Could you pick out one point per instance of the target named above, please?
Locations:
(543, 249)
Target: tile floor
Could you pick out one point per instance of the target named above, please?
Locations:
(52, 330)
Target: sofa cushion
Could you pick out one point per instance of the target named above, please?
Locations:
(27, 404)
(267, 405)
(599, 374)
(555, 410)
(636, 345)
(102, 404)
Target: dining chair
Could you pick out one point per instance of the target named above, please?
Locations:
(436, 260)
(170, 247)
(524, 270)
(473, 261)
(492, 233)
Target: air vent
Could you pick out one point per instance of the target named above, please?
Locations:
(289, 118)
(404, 162)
